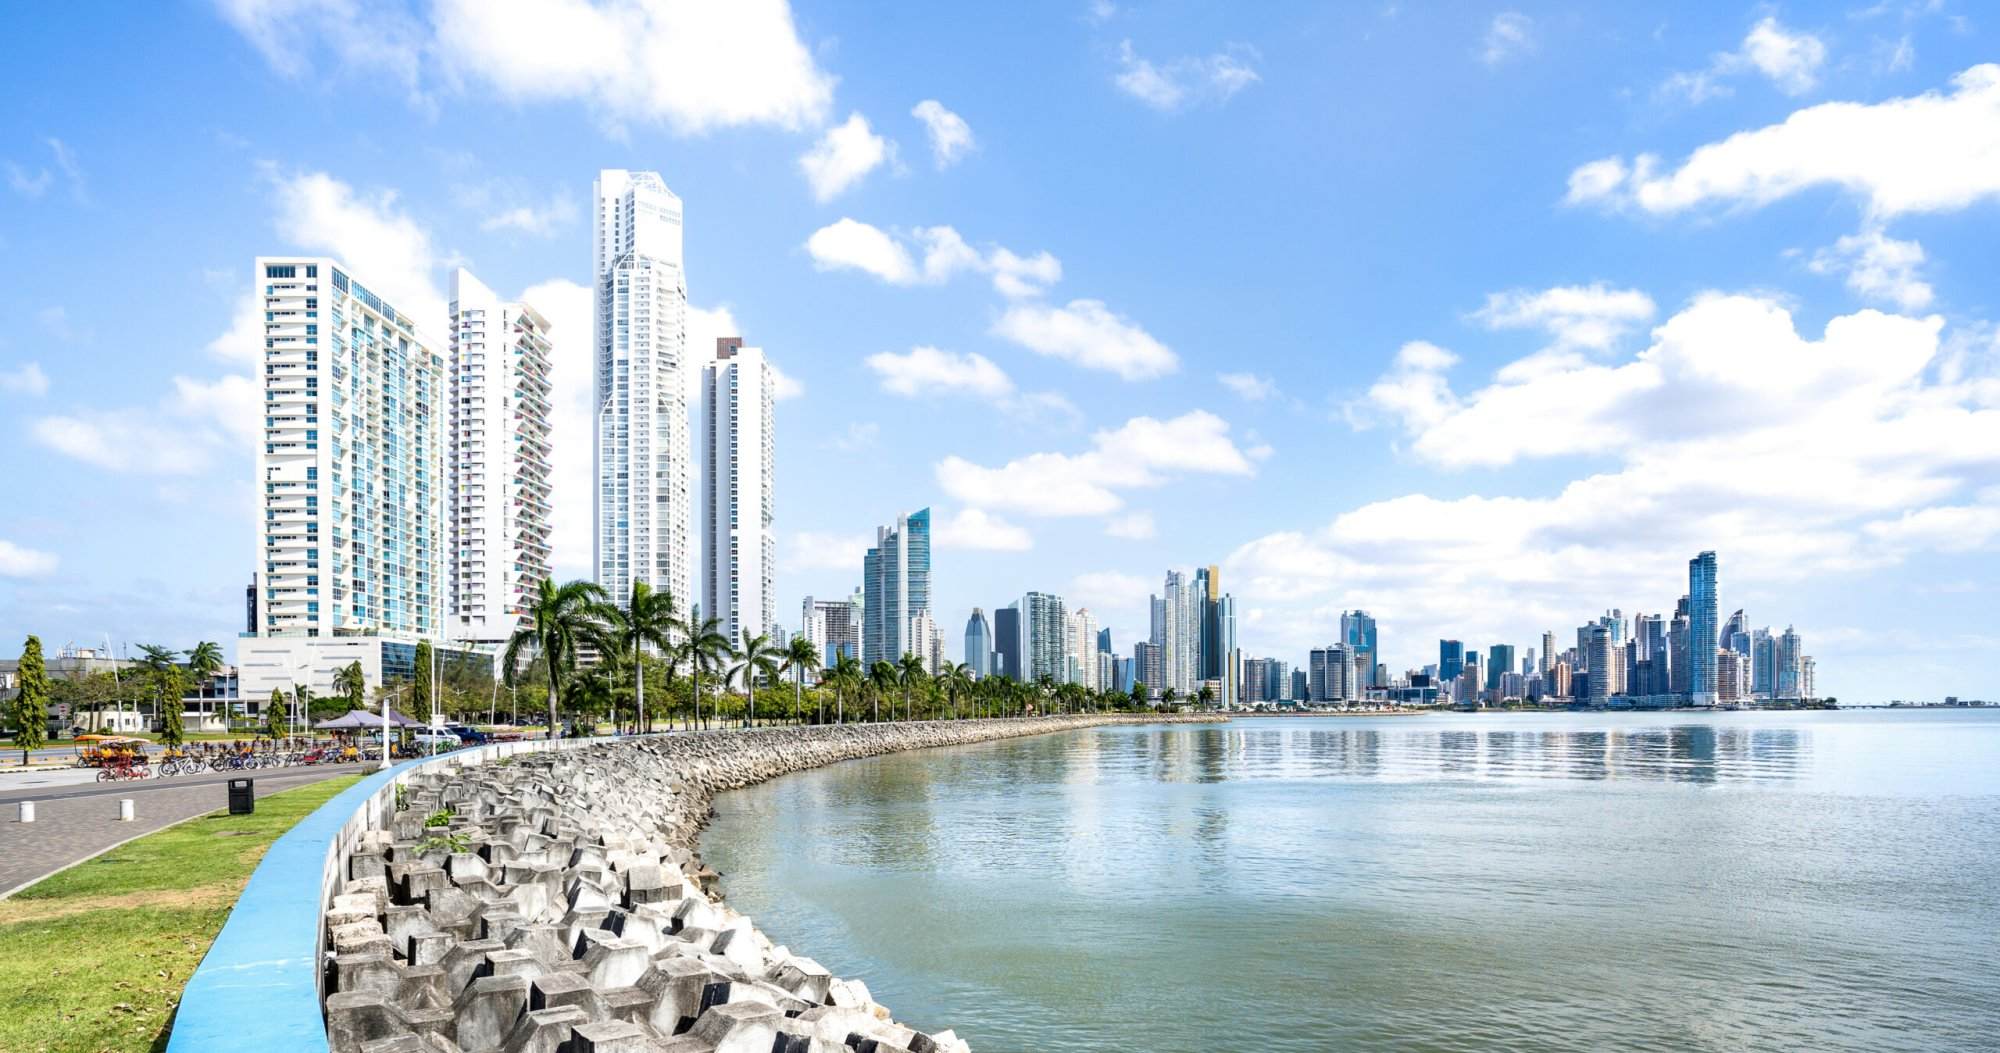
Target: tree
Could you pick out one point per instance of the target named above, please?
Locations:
(800, 655)
(910, 673)
(203, 662)
(274, 713)
(1206, 696)
(560, 617)
(1139, 695)
(881, 677)
(845, 676)
(156, 661)
(173, 730)
(705, 649)
(1168, 697)
(647, 620)
(31, 705)
(756, 657)
(422, 700)
(352, 685)
(954, 678)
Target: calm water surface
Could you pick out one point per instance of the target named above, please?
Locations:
(1809, 881)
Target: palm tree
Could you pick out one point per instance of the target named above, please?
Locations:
(157, 661)
(756, 656)
(705, 649)
(954, 678)
(800, 655)
(352, 684)
(559, 618)
(648, 620)
(881, 677)
(910, 672)
(1206, 696)
(204, 661)
(1168, 697)
(845, 676)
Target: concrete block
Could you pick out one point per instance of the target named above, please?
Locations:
(488, 1009)
(557, 990)
(611, 1036)
(739, 1027)
(617, 963)
(544, 1031)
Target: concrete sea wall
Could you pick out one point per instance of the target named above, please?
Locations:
(551, 901)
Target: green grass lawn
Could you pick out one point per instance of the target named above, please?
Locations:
(92, 960)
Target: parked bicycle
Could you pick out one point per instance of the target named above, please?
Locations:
(120, 770)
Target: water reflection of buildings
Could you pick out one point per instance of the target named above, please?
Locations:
(1694, 753)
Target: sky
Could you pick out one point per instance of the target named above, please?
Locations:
(1484, 318)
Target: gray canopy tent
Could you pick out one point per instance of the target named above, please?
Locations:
(362, 720)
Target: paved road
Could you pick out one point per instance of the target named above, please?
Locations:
(74, 821)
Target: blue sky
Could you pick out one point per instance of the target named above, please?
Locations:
(1484, 317)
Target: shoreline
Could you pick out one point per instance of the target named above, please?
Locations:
(559, 896)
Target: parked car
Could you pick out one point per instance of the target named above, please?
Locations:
(467, 736)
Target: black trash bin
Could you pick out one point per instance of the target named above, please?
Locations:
(242, 796)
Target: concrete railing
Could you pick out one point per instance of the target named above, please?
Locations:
(261, 985)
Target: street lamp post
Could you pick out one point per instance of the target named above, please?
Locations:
(386, 700)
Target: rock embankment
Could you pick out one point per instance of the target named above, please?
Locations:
(553, 903)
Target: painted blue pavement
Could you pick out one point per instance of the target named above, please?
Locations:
(258, 986)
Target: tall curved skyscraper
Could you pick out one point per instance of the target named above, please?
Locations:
(640, 450)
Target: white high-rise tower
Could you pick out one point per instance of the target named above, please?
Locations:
(498, 519)
(736, 543)
(640, 450)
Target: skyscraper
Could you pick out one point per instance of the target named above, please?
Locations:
(1451, 660)
(644, 501)
(1702, 628)
(1763, 663)
(1332, 673)
(1548, 659)
(1600, 660)
(897, 576)
(350, 537)
(1735, 634)
(1499, 662)
(1044, 638)
(1104, 640)
(832, 627)
(1357, 631)
(738, 547)
(1788, 666)
(1080, 648)
(497, 519)
(1179, 611)
(1208, 596)
(1680, 669)
(979, 644)
(1007, 642)
(1149, 666)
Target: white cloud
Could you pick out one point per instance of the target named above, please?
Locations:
(978, 530)
(1249, 386)
(1144, 452)
(1510, 35)
(29, 184)
(25, 379)
(688, 65)
(1591, 317)
(815, 550)
(1929, 153)
(1088, 334)
(784, 387)
(951, 138)
(17, 561)
(1214, 78)
(185, 433)
(1878, 267)
(545, 220)
(1136, 526)
(926, 371)
(1793, 455)
(369, 232)
(1790, 59)
(843, 157)
(1413, 391)
(35, 183)
(849, 244)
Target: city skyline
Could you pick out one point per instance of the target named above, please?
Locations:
(1602, 366)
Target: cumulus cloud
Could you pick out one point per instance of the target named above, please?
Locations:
(928, 371)
(25, 379)
(1510, 35)
(370, 232)
(1088, 334)
(197, 424)
(978, 530)
(684, 64)
(928, 256)
(1878, 267)
(843, 157)
(19, 561)
(1136, 526)
(951, 138)
(1169, 86)
(1249, 386)
(1793, 454)
(1927, 153)
(1789, 59)
(1144, 452)
(1575, 316)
